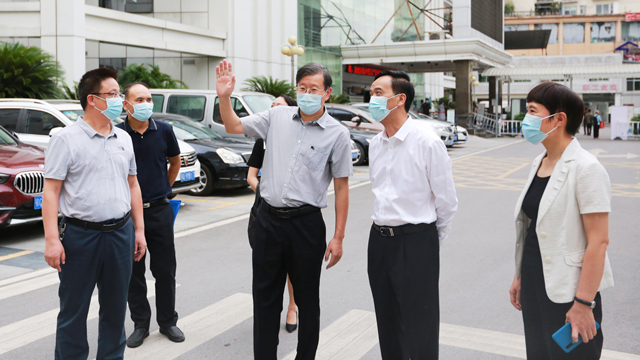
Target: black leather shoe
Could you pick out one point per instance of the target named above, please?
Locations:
(173, 333)
(137, 337)
(292, 327)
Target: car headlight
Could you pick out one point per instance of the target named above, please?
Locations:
(229, 157)
(440, 127)
(4, 178)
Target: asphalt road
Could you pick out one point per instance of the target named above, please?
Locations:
(214, 270)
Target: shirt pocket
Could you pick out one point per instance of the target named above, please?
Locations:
(575, 258)
(315, 159)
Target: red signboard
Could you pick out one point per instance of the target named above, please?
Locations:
(362, 70)
(632, 17)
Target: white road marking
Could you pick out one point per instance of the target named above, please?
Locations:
(26, 331)
(486, 150)
(199, 327)
(25, 283)
(349, 337)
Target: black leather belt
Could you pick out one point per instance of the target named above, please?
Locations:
(104, 226)
(155, 203)
(287, 213)
(402, 229)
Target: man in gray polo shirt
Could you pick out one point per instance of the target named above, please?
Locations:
(90, 177)
(305, 149)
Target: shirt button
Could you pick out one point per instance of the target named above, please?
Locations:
(299, 141)
(581, 257)
(289, 170)
(294, 156)
(547, 260)
(285, 185)
(543, 235)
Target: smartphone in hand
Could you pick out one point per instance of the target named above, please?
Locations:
(563, 337)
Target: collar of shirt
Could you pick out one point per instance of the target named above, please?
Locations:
(402, 132)
(91, 132)
(322, 121)
(127, 127)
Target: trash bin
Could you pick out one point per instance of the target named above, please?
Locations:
(175, 205)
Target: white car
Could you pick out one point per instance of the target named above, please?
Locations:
(35, 121)
(462, 136)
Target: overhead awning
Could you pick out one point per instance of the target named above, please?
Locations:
(561, 72)
(532, 39)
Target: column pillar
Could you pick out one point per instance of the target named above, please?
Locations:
(492, 94)
(464, 71)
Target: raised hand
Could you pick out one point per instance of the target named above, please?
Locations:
(225, 80)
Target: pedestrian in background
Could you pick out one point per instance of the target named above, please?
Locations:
(426, 107)
(597, 121)
(442, 115)
(587, 124)
(562, 231)
(415, 201)
(90, 177)
(155, 145)
(305, 149)
(255, 164)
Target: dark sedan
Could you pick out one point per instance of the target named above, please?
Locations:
(362, 138)
(21, 181)
(223, 161)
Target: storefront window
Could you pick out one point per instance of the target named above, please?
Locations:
(573, 33)
(553, 38)
(631, 31)
(603, 32)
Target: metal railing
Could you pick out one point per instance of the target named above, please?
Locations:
(634, 130)
(486, 123)
(510, 127)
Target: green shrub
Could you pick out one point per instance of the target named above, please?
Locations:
(28, 72)
(150, 75)
(339, 99)
(269, 85)
(520, 117)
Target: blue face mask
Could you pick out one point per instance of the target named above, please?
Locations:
(309, 103)
(531, 128)
(141, 111)
(378, 107)
(114, 107)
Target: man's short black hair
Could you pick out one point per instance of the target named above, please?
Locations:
(129, 86)
(400, 84)
(559, 98)
(289, 100)
(312, 69)
(91, 83)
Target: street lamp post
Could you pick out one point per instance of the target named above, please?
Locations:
(292, 49)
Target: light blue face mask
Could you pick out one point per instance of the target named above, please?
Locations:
(309, 103)
(378, 107)
(141, 111)
(114, 107)
(531, 128)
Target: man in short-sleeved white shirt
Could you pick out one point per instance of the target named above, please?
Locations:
(415, 201)
(90, 177)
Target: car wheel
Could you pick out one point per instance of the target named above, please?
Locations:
(362, 157)
(206, 182)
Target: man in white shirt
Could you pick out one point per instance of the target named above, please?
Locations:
(415, 201)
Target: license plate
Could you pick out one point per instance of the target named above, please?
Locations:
(455, 138)
(188, 176)
(37, 202)
(354, 155)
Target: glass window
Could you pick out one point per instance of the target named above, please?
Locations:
(40, 122)
(158, 102)
(73, 115)
(187, 105)
(132, 6)
(633, 84)
(604, 9)
(573, 33)
(194, 129)
(631, 31)
(116, 64)
(603, 32)
(570, 10)
(237, 106)
(342, 115)
(519, 27)
(258, 103)
(9, 119)
(6, 139)
(583, 9)
(553, 38)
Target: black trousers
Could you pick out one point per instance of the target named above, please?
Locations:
(542, 317)
(158, 231)
(596, 131)
(587, 128)
(294, 246)
(404, 272)
(94, 258)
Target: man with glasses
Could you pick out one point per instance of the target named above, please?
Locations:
(305, 149)
(90, 177)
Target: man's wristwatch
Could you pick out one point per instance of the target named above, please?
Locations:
(591, 304)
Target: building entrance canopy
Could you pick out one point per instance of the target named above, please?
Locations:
(563, 72)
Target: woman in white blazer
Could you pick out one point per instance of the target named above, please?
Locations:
(562, 230)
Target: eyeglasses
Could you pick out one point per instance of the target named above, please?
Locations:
(312, 91)
(111, 94)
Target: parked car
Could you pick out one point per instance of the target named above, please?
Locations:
(203, 105)
(223, 160)
(362, 139)
(21, 180)
(462, 135)
(443, 129)
(35, 121)
(354, 117)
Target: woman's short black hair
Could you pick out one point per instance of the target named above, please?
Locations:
(559, 98)
(289, 100)
(400, 84)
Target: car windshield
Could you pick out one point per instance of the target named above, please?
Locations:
(6, 139)
(73, 114)
(193, 129)
(258, 103)
(183, 135)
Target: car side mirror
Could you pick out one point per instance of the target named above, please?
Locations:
(55, 130)
(242, 114)
(357, 120)
(14, 134)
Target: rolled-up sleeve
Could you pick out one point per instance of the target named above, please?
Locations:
(341, 163)
(442, 186)
(57, 159)
(256, 126)
(593, 189)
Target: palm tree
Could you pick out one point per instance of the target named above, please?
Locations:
(269, 85)
(339, 99)
(69, 93)
(150, 75)
(28, 72)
